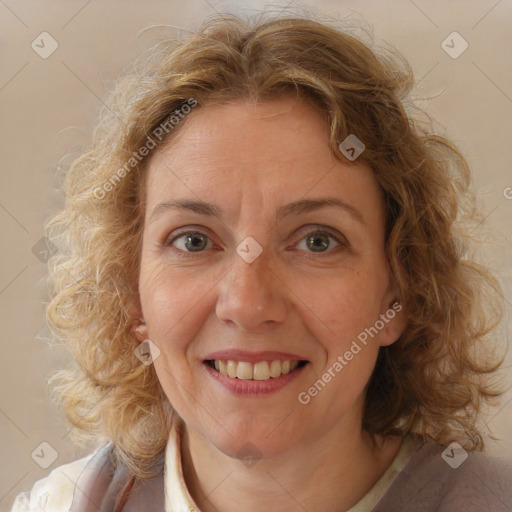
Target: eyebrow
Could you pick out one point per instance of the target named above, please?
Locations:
(294, 208)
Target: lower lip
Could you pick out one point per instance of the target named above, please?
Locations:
(254, 387)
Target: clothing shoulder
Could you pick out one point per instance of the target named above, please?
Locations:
(449, 479)
(53, 493)
(96, 482)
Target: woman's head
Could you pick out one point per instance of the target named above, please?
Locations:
(250, 117)
(262, 167)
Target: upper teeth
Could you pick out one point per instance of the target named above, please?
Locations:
(262, 370)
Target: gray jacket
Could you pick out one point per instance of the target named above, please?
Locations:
(427, 483)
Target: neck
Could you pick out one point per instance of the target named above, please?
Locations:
(330, 474)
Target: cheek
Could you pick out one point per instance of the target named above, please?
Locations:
(340, 306)
(337, 317)
(174, 303)
(171, 305)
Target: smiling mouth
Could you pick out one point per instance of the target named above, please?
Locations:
(262, 370)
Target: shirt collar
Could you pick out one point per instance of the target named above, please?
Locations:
(177, 497)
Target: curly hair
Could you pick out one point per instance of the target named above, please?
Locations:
(431, 382)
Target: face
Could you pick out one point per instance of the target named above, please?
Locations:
(250, 279)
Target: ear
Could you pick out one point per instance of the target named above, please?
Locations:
(139, 327)
(394, 317)
(395, 321)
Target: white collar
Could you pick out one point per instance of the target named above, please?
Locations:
(178, 499)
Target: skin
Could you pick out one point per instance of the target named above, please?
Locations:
(249, 160)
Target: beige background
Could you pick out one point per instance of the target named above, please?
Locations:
(48, 107)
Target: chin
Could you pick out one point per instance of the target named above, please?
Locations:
(263, 441)
(250, 451)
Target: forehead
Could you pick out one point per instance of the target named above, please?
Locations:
(263, 154)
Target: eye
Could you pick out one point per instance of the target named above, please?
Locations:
(319, 241)
(189, 241)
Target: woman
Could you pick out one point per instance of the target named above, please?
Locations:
(263, 283)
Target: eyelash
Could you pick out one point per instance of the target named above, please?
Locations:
(189, 254)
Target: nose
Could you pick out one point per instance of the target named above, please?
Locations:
(252, 295)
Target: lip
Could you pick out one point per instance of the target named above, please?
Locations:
(254, 387)
(253, 357)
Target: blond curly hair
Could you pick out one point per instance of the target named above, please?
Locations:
(432, 381)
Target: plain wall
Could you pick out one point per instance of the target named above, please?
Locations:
(48, 108)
